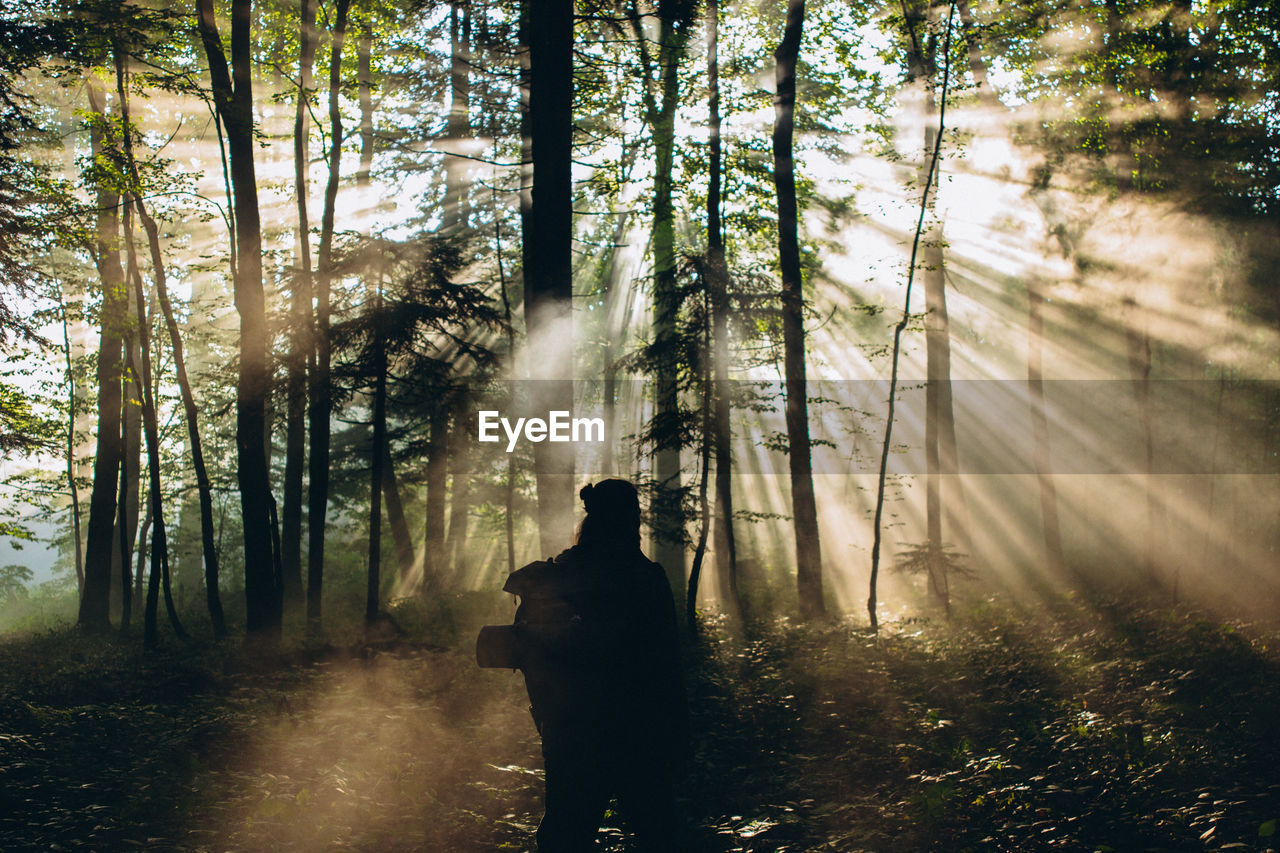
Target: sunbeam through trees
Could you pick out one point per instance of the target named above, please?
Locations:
(940, 339)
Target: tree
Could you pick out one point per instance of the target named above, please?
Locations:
(233, 97)
(321, 392)
(95, 599)
(804, 508)
(661, 95)
(547, 231)
(301, 342)
(725, 544)
(877, 530)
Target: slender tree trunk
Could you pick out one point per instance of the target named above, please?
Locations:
(364, 81)
(140, 560)
(1138, 341)
(72, 487)
(460, 491)
(901, 326)
(808, 547)
(395, 514)
(377, 456)
(129, 503)
(704, 454)
(321, 383)
(666, 512)
(301, 343)
(95, 600)
(510, 484)
(120, 552)
(433, 560)
(204, 488)
(547, 220)
(233, 95)
(454, 216)
(159, 575)
(141, 370)
(724, 542)
(1040, 432)
(1213, 480)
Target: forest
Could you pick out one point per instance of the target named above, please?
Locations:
(940, 337)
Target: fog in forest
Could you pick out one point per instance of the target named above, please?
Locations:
(1079, 198)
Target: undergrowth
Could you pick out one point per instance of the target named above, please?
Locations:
(1102, 728)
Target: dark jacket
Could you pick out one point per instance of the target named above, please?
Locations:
(601, 651)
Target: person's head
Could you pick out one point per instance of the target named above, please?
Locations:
(613, 516)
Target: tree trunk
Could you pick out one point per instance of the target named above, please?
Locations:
(301, 344)
(377, 455)
(159, 574)
(666, 514)
(96, 597)
(204, 488)
(129, 504)
(460, 491)
(141, 370)
(808, 547)
(704, 468)
(724, 543)
(509, 490)
(900, 327)
(1040, 432)
(437, 471)
(233, 95)
(547, 224)
(321, 382)
(140, 564)
(395, 514)
(453, 217)
(72, 487)
(364, 81)
(1138, 342)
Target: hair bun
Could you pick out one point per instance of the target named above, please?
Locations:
(585, 494)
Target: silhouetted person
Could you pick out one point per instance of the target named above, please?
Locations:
(600, 655)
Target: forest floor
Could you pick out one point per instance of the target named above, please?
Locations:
(1106, 728)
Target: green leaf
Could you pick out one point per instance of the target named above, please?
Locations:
(1267, 829)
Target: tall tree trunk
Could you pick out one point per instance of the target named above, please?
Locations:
(1040, 432)
(321, 382)
(233, 95)
(666, 513)
(141, 370)
(159, 574)
(300, 342)
(804, 509)
(723, 542)
(547, 224)
(96, 597)
(73, 487)
(395, 514)
(901, 325)
(454, 215)
(460, 491)
(140, 560)
(704, 459)
(364, 82)
(204, 487)
(433, 557)
(377, 456)
(509, 490)
(129, 503)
